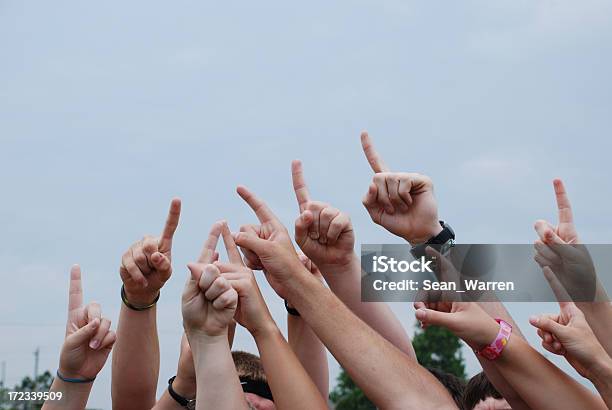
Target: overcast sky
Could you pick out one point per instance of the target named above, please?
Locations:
(109, 109)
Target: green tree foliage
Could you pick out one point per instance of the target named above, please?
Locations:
(347, 396)
(43, 383)
(435, 347)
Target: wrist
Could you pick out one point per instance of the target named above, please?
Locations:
(432, 230)
(264, 330)
(144, 298)
(184, 386)
(200, 338)
(351, 265)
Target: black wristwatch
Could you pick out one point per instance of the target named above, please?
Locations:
(187, 403)
(442, 242)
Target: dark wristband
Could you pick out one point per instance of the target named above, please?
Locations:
(127, 303)
(290, 310)
(69, 380)
(187, 403)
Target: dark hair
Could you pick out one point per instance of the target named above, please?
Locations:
(477, 389)
(249, 365)
(453, 384)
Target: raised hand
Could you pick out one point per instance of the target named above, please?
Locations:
(89, 339)
(565, 231)
(146, 266)
(324, 233)
(465, 319)
(269, 242)
(209, 302)
(403, 203)
(568, 334)
(252, 312)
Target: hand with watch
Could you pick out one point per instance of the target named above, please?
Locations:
(403, 203)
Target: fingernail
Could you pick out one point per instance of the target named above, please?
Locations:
(533, 320)
(94, 344)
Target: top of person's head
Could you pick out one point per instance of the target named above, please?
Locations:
(249, 365)
(480, 393)
(250, 370)
(453, 384)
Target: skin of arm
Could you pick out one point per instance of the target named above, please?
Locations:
(404, 204)
(572, 337)
(78, 359)
(145, 268)
(329, 242)
(521, 366)
(598, 314)
(289, 382)
(184, 383)
(305, 343)
(365, 354)
(208, 305)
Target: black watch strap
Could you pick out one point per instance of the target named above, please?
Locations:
(189, 404)
(445, 239)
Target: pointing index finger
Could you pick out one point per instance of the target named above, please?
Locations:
(372, 156)
(208, 250)
(230, 246)
(563, 203)
(264, 214)
(165, 242)
(75, 294)
(299, 184)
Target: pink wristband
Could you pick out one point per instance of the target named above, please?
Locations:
(494, 350)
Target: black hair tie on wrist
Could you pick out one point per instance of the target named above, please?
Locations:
(127, 303)
(290, 310)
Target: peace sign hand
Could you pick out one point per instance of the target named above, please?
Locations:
(146, 265)
(403, 203)
(89, 339)
(324, 233)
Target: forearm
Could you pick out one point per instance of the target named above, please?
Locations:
(495, 309)
(367, 357)
(166, 402)
(218, 385)
(346, 284)
(602, 380)
(310, 352)
(291, 386)
(74, 395)
(524, 368)
(599, 317)
(135, 368)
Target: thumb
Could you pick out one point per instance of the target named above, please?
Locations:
(433, 317)
(191, 287)
(302, 224)
(251, 242)
(84, 334)
(547, 325)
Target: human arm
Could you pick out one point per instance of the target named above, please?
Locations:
(598, 313)
(78, 359)
(289, 382)
(329, 240)
(208, 306)
(407, 384)
(568, 334)
(145, 268)
(305, 343)
(521, 365)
